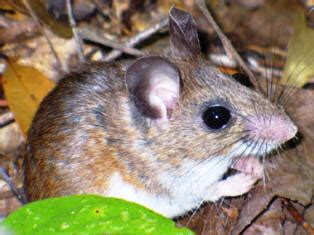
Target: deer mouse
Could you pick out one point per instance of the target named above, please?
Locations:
(160, 131)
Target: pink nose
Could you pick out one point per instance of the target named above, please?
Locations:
(274, 129)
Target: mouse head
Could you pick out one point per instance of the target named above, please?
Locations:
(195, 110)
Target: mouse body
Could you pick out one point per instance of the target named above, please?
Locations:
(161, 131)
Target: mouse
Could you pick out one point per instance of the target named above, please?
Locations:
(160, 130)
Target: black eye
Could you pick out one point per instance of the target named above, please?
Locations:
(309, 85)
(243, 79)
(216, 117)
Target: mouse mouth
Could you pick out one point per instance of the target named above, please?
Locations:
(249, 165)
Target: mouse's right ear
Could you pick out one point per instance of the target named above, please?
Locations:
(153, 83)
(184, 42)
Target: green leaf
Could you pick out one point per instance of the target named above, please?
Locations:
(88, 214)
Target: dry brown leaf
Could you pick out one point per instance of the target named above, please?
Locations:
(24, 89)
(256, 202)
(269, 222)
(210, 219)
(16, 30)
(37, 53)
(16, 6)
(165, 5)
(62, 29)
(309, 215)
(294, 178)
(10, 138)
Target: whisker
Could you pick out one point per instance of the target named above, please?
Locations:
(273, 53)
(241, 155)
(297, 70)
(242, 116)
(204, 161)
(289, 93)
(201, 176)
(194, 211)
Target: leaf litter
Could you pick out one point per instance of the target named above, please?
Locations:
(290, 174)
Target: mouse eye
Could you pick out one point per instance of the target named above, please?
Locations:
(243, 79)
(216, 117)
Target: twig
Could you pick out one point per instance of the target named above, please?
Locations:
(298, 218)
(43, 32)
(92, 35)
(73, 25)
(6, 119)
(226, 42)
(137, 39)
(4, 175)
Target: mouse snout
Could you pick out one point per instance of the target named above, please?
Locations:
(271, 129)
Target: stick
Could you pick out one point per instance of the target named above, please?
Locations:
(43, 32)
(4, 175)
(226, 42)
(6, 119)
(93, 36)
(138, 38)
(297, 216)
(73, 25)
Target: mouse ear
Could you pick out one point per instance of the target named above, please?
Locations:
(154, 85)
(183, 34)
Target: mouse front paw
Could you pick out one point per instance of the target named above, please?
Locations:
(235, 185)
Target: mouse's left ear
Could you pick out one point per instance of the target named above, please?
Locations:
(153, 83)
(184, 42)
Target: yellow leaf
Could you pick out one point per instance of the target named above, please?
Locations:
(39, 7)
(24, 88)
(299, 67)
(20, 13)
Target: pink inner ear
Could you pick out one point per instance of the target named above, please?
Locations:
(163, 94)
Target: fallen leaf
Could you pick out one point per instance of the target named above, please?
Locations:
(37, 53)
(60, 28)
(270, 222)
(10, 138)
(17, 6)
(294, 176)
(89, 214)
(24, 88)
(300, 65)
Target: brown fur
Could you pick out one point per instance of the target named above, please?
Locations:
(86, 129)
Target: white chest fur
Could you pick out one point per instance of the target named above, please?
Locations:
(189, 186)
